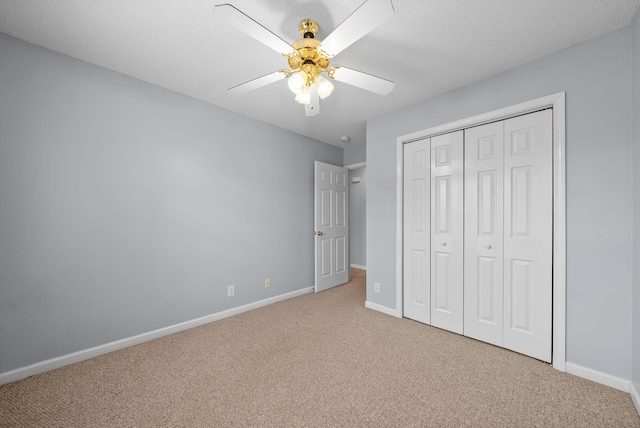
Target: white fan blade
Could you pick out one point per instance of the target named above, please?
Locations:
(247, 25)
(363, 80)
(258, 83)
(313, 108)
(363, 20)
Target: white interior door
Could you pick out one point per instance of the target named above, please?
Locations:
(528, 223)
(483, 234)
(447, 261)
(417, 231)
(332, 225)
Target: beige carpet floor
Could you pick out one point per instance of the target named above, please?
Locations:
(319, 360)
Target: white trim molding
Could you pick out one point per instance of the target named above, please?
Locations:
(385, 310)
(557, 103)
(635, 396)
(358, 267)
(599, 377)
(356, 165)
(85, 354)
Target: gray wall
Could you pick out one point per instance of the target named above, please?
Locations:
(596, 76)
(358, 217)
(355, 154)
(126, 207)
(636, 188)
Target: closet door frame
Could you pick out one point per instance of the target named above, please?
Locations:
(557, 103)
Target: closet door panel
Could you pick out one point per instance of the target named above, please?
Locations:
(528, 230)
(417, 231)
(447, 231)
(483, 271)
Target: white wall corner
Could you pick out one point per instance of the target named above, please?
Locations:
(85, 354)
(385, 310)
(599, 377)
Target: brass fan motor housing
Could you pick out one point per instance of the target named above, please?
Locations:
(307, 52)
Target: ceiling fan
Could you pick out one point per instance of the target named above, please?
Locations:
(309, 57)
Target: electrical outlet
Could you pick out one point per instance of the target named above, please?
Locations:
(231, 291)
(376, 287)
(267, 283)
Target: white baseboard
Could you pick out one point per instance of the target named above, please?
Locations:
(85, 354)
(599, 377)
(385, 310)
(359, 267)
(635, 396)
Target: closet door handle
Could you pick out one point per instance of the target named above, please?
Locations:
(488, 246)
(443, 243)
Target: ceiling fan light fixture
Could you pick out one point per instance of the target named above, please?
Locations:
(304, 97)
(297, 82)
(309, 57)
(325, 88)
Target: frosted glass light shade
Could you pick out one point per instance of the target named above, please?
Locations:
(304, 97)
(325, 88)
(297, 82)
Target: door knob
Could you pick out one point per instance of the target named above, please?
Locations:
(443, 243)
(319, 233)
(488, 246)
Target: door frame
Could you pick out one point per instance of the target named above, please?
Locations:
(352, 167)
(557, 102)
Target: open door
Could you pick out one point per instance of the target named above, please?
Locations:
(331, 225)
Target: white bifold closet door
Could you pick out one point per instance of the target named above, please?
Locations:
(417, 231)
(447, 222)
(433, 235)
(528, 234)
(508, 234)
(478, 209)
(484, 241)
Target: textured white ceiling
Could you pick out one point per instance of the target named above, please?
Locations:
(428, 47)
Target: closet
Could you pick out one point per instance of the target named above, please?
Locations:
(477, 232)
